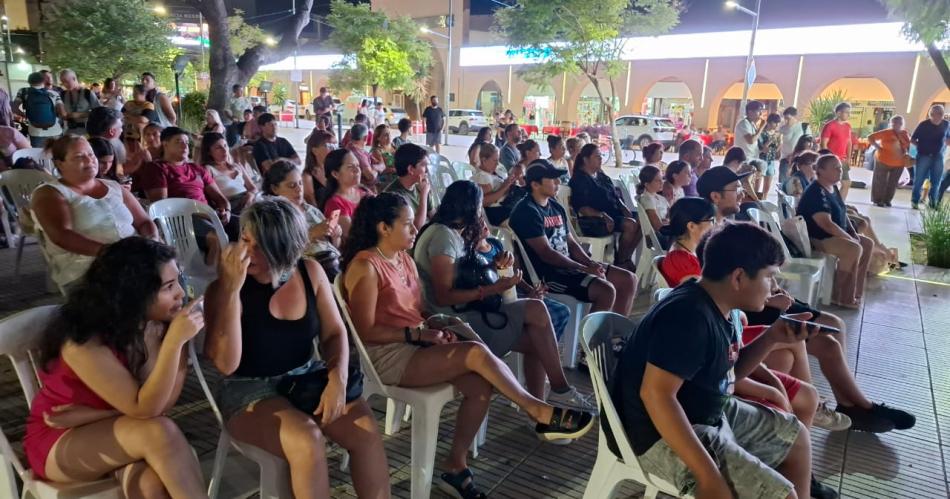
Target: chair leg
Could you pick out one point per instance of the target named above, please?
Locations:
(275, 480)
(425, 435)
(345, 461)
(220, 456)
(603, 469)
(19, 254)
(569, 339)
(394, 415)
(480, 437)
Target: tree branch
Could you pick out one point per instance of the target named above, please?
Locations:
(938, 59)
(255, 57)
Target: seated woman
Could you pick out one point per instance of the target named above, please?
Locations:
(264, 312)
(690, 219)
(600, 211)
(651, 199)
(113, 363)
(522, 325)
(284, 179)
(558, 152)
(105, 157)
(653, 154)
(496, 184)
(80, 213)
(530, 152)
(830, 231)
(483, 137)
(319, 145)
(677, 177)
(802, 174)
(232, 180)
(344, 190)
(384, 299)
(382, 155)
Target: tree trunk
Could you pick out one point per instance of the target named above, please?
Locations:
(375, 88)
(938, 58)
(615, 141)
(224, 70)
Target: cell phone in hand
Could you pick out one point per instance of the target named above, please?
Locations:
(334, 219)
(821, 327)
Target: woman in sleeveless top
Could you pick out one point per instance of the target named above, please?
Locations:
(384, 299)
(79, 213)
(113, 363)
(233, 181)
(264, 312)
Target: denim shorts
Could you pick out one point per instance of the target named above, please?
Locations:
(747, 446)
(236, 392)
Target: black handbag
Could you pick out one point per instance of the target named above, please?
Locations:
(472, 271)
(593, 226)
(304, 390)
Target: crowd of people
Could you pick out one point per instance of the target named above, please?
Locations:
(713, 388)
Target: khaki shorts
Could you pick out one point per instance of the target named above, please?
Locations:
(391, 360)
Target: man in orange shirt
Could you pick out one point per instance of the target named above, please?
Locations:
(892, 145)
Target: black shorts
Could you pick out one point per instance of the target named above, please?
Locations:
(569, 282)
(770, 314)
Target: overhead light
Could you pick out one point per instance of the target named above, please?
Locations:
(424, 29)
(270, 41)
(731, 4)
(160, 10)
(19, 50)
(4, 18)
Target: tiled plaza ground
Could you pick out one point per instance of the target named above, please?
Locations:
(898, 344)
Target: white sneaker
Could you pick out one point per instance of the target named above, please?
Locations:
(830, 420)
(572, 399)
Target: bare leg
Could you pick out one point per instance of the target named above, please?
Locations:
(766, 186)
(89, 452)
(356, 431)
(476, 393)
(630, 237)
(139, 481)
(797, 465)
(834, 366)
(625, 287)
(805, 404)
(540, 344)
(533, 371)
(602, 295)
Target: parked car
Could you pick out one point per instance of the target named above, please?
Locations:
(462, 121)
(394, 114)
(640, 130)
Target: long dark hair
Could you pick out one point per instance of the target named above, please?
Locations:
(275, 175)
(801, 145)
(587, 151)
(384, 207)
(208, 140)
(316, 139)
(460, 209)
(333, 163)
(673, 169)
(647, 174)
(111, 301)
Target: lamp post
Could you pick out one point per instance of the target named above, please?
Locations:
(748, 62)
(7, 53)
(449, 22)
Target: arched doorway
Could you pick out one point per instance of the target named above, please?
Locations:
(489, 98)
(540, 106)
(590, 109)
(765, 92)
(872, 103)
(670, 98)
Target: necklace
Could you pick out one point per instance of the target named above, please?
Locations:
(396, 262)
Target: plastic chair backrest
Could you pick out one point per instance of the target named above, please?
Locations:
(174, 218)
(649, 235)
(369, 370)
(657, 263)
(17, 186)
(463, 171)
(36, 154)
(767, 222)
(532, 276)
(563, 198)
(624, 187)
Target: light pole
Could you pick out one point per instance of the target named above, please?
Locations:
(449, 22)
(7, 53)
(748, 62)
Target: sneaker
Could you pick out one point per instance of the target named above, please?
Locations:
(573, 399)
(565, 424)
(822, 491)
(914, 206)
(866, 419)
(902, 420)
(830, 420)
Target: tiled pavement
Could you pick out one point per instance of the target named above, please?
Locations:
(899, 345)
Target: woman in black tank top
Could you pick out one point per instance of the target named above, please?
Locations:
(263, 313)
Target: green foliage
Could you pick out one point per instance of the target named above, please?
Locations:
(242, 35)
(377, 50)
(193, 105)
(925, 21)
(278, 94)
(134, 37)
(936, 227)
(822, 109)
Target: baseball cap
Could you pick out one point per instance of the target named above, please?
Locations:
(716, 178)
(541, 169)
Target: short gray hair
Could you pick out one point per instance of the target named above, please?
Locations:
(280, 232)
(359, 131)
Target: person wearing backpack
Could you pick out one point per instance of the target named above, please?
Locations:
(78, 101)
(42, 108)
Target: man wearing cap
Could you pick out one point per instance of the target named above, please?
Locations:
(541, 225)
(720, 186)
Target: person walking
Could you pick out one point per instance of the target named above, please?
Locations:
(889, 160)
(42, 108)
(435, 122)
(78, 101)
(931, 138)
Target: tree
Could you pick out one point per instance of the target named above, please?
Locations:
(418, 90)
(377, 51)
(578, 37)
(78, 31)
(228, 68)
(927, 22)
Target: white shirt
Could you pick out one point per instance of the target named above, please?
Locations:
(494, 181)
(790, 136)
(657, 202)
(743, 128)
(379, 117)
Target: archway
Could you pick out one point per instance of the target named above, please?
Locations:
(489, 98)
(872, 103)
(670, 98)
(763, 91)
(942, 97)
(540, 106)
(590, 109)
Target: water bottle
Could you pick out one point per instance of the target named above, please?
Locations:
(511, 294)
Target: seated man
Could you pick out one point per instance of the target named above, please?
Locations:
(412, 182)
(674, 380)
(541, 224)
(270, 148)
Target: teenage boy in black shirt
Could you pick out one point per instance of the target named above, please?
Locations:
(673, 384)
(270, 147)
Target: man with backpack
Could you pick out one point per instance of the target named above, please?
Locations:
(78, 101)
(42, 108)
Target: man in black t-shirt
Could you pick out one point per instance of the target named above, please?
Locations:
(270, 147)
(673, 383)
(560, 262)
(435, 121)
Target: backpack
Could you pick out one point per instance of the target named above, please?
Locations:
(40, 108)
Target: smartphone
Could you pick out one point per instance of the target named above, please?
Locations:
(821, 327)
(334, 219)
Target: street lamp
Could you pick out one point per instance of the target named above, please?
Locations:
(449, 21)
(270, 41)
(160, 10)
(748, 62)
(7, 52)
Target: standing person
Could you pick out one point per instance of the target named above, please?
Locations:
(138, 110)
(411, 164)
(931, 138)
(163, 104)
(77, 101)
(323, 105)
(10, 138)
(379, 115)
(892, 146)
(749, 128)
(237, 103)
(435, 122)
(111, 95)
(791, 130)
(48, 82)
(270, 147)
(404, 126)
(42, 108)
(836, 137)
(510, 154)
(113, 362)
(770, 143)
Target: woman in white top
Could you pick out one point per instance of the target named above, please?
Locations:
(111, 95)
(80, 213)
(653, 154)
(233, 181)
(495, 183)
(676, 178)
(558, 152)
(651, 199)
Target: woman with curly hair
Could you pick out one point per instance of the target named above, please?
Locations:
(113, 362)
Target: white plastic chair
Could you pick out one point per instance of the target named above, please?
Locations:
(17, 187)
(649, 249)
(597, 331)
(20, 334)
(463, 171)
(786, 205)
(657, 262)
(36, 154)
(805, 274)
(601, 248)
(174, 217)
(797, 224)
(426, 404)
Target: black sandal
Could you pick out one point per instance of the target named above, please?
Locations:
(565, 423)
(461, 485)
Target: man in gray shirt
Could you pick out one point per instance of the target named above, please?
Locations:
(510, 156)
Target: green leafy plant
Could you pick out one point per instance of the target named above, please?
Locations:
(193, 105)
(936, 231)
(822, 109)
(278, 94)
